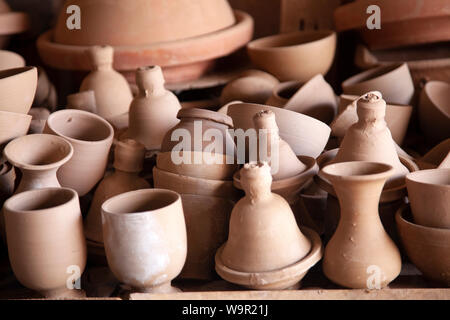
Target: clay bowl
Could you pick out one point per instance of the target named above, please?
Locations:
(283, 92)
(91, 137)
(277, 279)
(294, 56)
(17, 89)
(10, 60)
(11, 23)
(393, 81)
(434, 111)
(249, 89)
(439, 156)
(306, 136)
(428, 248)
(13, 125)
(289, 188)
(429, 195)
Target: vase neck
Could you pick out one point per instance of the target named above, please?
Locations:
(256, 181)
(150, 81)
(37, 179)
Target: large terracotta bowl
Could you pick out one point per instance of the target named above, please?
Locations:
(17, 89)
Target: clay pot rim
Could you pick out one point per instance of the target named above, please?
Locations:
(88, 114)
(181, 176)
(421, 177)
(377, 74)
(17, 57)
(5, 167)
(293, 84)
(8, 73)
(19, 20)
(401, 219)
(17, 114)
(429, 87)
(39, 136)
(206, 115)
(295, 270)
(377, 171)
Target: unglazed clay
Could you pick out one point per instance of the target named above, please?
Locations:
(128, 161)
(38, 156)
(40, 116)
(91, 137)
(84, 100)
(13, 125)
(46, 244)
(46, 95)
(252, 89)
(144, 234)
(112, 92)
(154, 111)
(360, 247)
(17, 89)
(10, 60)
(438, 157)
(283, 92)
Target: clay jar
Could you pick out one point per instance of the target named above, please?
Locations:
(154, 111)
(128, 161)
(370, 140)
(38, 156)
(91, 138)
(429, 195)
(112, 92)
(46, 244)
(144, 234)
(360, 254)
(264, 245)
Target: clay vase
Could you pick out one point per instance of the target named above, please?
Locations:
(144, 234)
(91, 138)
(370, 140)
(84, 100)
(128, 162)
(274, 150)
(154, 111)
(46, 244)
(360, 254)
(429, 195)
(112, 92)
(39, 157)
(264, 245)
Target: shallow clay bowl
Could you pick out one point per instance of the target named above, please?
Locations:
(434, 110)
(428, 248)
(13, 125)
(429, 195)
(306, 135)
(294, 56)
(10, 60)
(280, 279)
(17, 89)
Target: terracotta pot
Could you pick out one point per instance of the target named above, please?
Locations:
(39, 157)
(428, 248)
(439, 156)
(84, 100)
(39, 118)
(251, 89)
(44, 230)
(265, 250)
(310, 141)
(154, 111)
(429, 195)
(434, 111)
(283, 92)
(360, 254)
(294, 56)
(17, 89)
(10, 60)
(128, 163)
(393, 81)
(207, 220)
(91, 138)
(144, 234)
(112, 92)
(13, 125)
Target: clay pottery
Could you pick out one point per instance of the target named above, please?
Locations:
(7, 184)
(360, 242)
(154, 111)
(427, 248)
(294, 56)
(84, 100)
(39, 157)
(17, 89)
(144, 234)
(10, 60)
(438, 157)
(429, 195)
(13, 125)
(39, 118)
(46, 95)
(128, 162)
(434, 111)
(393, 81)
(370, 139)
(265, 248)
(259, 74)
(283, 92)
(207, 220)
(306, 135)
(112, 92)
(44, 230)
(91, 137)
(11, 23)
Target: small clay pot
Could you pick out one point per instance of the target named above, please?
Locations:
(84, 100)
(13, 125)
(294, 56)
(438, 157)
(144, 234)
(91, 137)
(40, 116)
(251, 89)
(429, 195)
(282, 92)
(39, 157)
(17, 89)
(46, 244)
(10, 60)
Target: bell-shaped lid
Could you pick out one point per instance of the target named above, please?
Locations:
(129, 156)
(263, 234)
